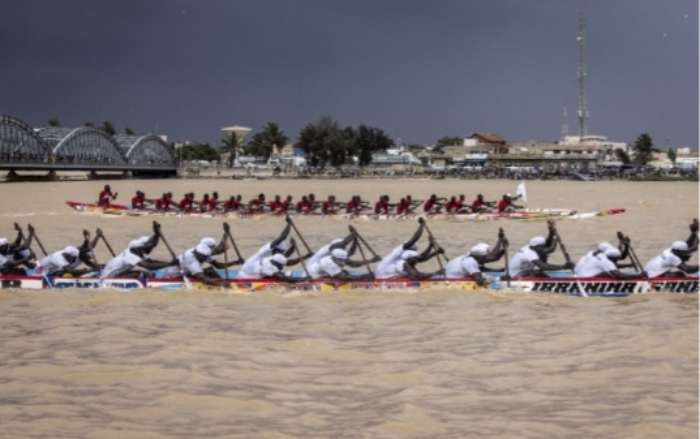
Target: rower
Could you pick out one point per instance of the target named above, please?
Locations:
(313, 204)
(136, 255)
(329, 207)
(14, 255)
(480, 205)
(204, 204)
(214, 201)
(455, 206)
(280, 245)
(473, 263)
(165, 202)
(330, 260)
(531, 259)
(233, 204)
(353, 206)
(602, 262)
(673, 258)
(106, 196)
(432, 205)
(187, 202)
(303, 206)
(276, 205)
(403, 207)
(402, 260)
(190, 262)
(506, 205)
(381, 207)
(138, 201)
(286, 205)
(60, 262)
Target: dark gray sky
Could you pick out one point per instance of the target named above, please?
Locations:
(417, 69)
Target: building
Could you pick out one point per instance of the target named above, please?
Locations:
(485, 142)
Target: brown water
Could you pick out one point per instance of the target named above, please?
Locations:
(414, 364)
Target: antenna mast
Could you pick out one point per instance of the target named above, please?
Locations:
(582, 105)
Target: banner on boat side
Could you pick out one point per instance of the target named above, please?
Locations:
(122, 284)
(608, 287)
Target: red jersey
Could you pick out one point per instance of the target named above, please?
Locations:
(104, 198)
(163, 204)
(428, 205)
(381, 207)
(351, 207)
(303, 206)
(402, 207)
(453, 206)
(328, 208)
(213, 203)
(232, 205)
(185, 204)
(503, 205)
(137, 202)
(477, 205)
(275, 206)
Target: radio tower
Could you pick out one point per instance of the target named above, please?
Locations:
(582, 107)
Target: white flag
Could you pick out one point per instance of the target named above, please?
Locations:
(522, 192)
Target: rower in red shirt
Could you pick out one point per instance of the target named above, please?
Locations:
(506, 204)
(233, 204)
(138, 201)
(286, 204)
(257, 205)
(329, 207)
(481, 205)
(213, 201)
(276, 205)
(452, 206)
(432, 205)
(204, 204)
(403, 207)
(312, 202)
(304, 206)
(106, 196)
(381, 207)
(187, 202)
(165, 202)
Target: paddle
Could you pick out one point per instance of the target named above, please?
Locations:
(226, 255)
(362, 252)
(632, 253)
(432, 240)
(227, 229)
(308, 249)
(36, 237)
(504, 242)
(553, 226)
(104, 239)
(156, 228)
(363, 242)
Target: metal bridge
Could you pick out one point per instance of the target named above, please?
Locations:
(80, 149)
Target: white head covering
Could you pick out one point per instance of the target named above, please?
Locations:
(612, 252)
(480, 249)
(680, 245)
(139, 242)
(279, 258)
(73, 251)
(339, 253)
(203, 249)
(209, 242)
(3, 241)
(283, 246)
(605, 246)
(537, 240)
(407, 254)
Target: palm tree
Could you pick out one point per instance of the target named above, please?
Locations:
(231, 144)
(54, 122)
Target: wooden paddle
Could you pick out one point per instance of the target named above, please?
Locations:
(362, 252)
(431, 238)
(567, 258)
(632, 253)
(308, 249)
(227, 229)
(104, 239)
(36, 237)
(156, 228)
(504, 242)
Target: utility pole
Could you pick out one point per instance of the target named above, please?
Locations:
(564, 125)
(582, 105)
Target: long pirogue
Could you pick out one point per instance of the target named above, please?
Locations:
(595, 286)
(531, 214)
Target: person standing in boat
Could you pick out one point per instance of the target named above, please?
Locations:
(136, 255)
(402, 260)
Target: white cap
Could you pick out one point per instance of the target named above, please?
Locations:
(680, 245)
(71, 251)
(209, 242)
(283, 246)
(203, 249)
(407, 254)
(480, 249)
(509, 195)
(537, 240)
(3, 241)
(139, 242)
(339, 253)
(612, 252)
(604, 246)
(279, 258)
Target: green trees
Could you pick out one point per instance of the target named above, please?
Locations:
(326, 143)
(264, 143)
(108, 127)
(128, 131)
(201, 151)
(622, 156)
(672, 155)
(448, 141)
(643, 149)
(232, 144)
(54, 122)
